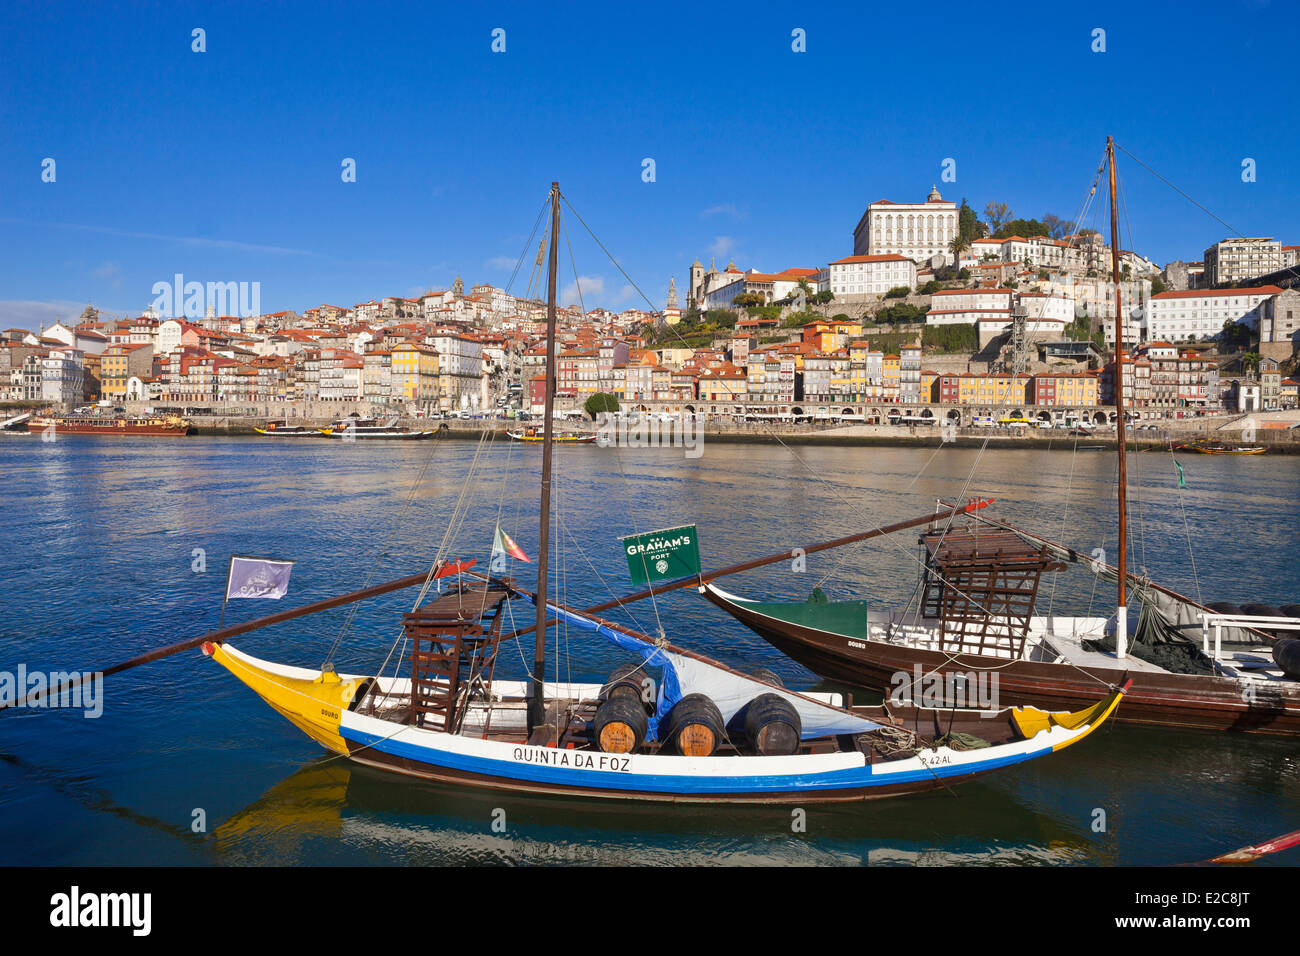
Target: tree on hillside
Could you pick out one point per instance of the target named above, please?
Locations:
(1234, 336)
(969, 226)
(601, 402)
(797, 319)
(1021, 227)
(1057, 228)
(997, 213)
(958, 245)
(899, 312)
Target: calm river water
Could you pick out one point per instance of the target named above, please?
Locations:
(99, 558)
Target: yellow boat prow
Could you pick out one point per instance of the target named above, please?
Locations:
(1031, 720)
(313, 705)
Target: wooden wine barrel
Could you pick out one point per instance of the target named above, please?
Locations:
(626, 680)
(620, 724)
(772, 726)
(1286, 654)
(694, 726)
(1262, 610)
(766, 675)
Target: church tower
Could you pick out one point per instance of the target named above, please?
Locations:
(672, 293)
(458, 288)
(695, 290)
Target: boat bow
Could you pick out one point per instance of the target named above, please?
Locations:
(313, 701)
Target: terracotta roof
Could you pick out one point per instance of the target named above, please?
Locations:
(1208, 293)
(887, 257)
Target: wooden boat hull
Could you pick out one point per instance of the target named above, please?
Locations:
(460, 776)
(344, 435)
(284, 433)
(1207, 449)
(1164, 700)
(112, 427)
(320, 705)
(555, 439)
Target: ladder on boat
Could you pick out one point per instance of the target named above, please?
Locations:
(981, 585)
(454, 641)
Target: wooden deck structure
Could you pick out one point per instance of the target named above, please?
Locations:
(454, 641)
(981, 584)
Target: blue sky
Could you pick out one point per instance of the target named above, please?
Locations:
(225, 165)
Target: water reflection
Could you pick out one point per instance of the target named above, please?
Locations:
(330, 807)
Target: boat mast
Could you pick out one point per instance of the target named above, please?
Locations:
(1121, 618)
(537, 702)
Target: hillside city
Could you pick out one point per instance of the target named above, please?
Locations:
(934, 313)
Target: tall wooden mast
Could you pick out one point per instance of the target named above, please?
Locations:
(1121, 620)
(537, 702)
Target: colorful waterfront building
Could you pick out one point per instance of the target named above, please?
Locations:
(414, 372)
(1064, 388)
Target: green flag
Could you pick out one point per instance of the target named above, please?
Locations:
(662, 555)
(1182, 482)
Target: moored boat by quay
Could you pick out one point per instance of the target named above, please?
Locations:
(156, 425)
(535, 433)
(282, 429)
(354, 427)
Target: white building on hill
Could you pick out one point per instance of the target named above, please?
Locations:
(919, 231)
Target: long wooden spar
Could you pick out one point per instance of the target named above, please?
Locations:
(216, 637)
(411, 580)
(951, 512)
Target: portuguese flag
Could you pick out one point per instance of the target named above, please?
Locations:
(504, 544)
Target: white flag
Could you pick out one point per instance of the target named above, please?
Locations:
(258, 578)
